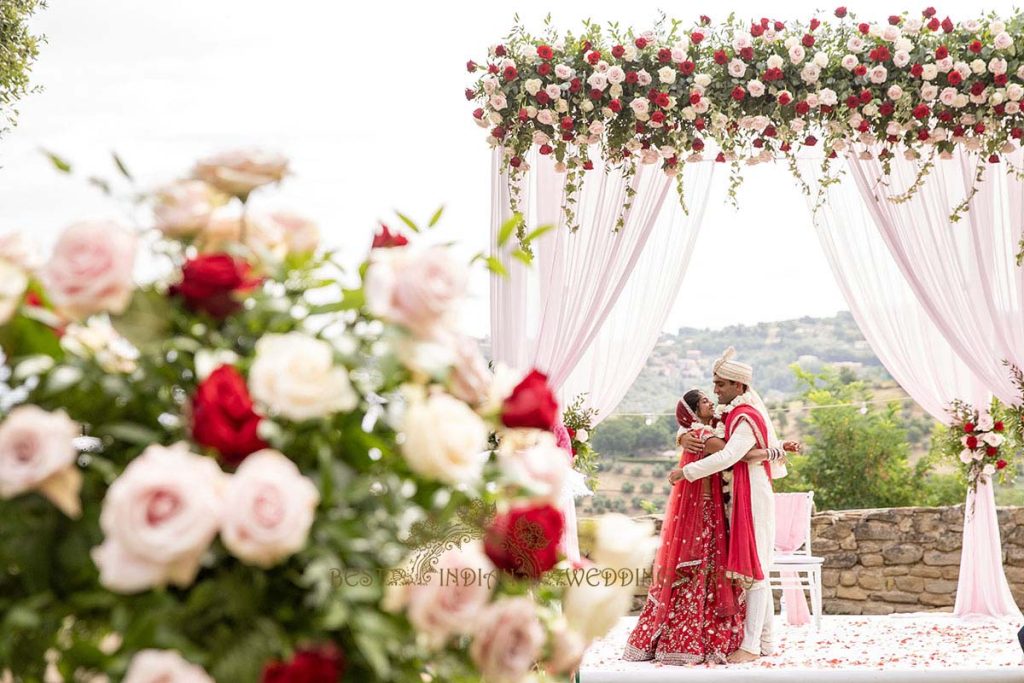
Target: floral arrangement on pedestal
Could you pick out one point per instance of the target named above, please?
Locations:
(211, 475)
(751, 92)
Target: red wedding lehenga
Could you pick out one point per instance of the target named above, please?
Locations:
(693, 613)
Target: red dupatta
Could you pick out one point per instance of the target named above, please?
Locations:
(742, 563)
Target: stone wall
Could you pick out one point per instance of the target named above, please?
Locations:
(899, 559)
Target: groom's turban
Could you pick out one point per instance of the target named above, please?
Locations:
(727, 368)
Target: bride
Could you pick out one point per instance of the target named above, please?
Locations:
(693, 613)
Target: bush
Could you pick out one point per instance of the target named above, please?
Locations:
(18, 51)
(647, 487)
(637, 471)
(628, 487)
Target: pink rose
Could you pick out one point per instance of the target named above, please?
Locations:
(19, 252)
(448, 603)
(508, 638)
(183, 209)
(263, 235)
(470, 380)
(163, 666)
(300, 234)
(417, 289)
(240, 172)
(158, 518)
(541, 469)
(37, 453)
(567, 649)
(268, 509)
(90, 269)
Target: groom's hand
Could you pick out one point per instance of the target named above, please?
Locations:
(675, 475)
(691, 443)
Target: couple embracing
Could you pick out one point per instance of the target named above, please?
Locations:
(710, 601)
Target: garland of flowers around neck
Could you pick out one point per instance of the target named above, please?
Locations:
(916, 85)
(744, 399)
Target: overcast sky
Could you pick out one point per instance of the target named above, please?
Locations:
(368, 103)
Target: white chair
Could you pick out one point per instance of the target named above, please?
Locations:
(799, 560)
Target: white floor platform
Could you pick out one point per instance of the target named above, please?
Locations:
(924, 647)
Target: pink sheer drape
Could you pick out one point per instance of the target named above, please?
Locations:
(589, 310)
(791, 512)
(982, 589)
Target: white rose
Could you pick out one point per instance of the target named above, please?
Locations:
(971, 25)
(563, 72)
(97, 340)
(828, 97)
(616, 92)
(542, 468)
(490, 83)
(301, 235)
(894, 92)
(158, 518)
(904, 44)
(995, 99)
(878, 74)
(239, 172)
(183, 208)
(507, 639)
(891, 33)
(593, 610)
(812, 100)
(755, 88)
(639, 105)
(1012, 108)
(810, 73)
(163, 666)
(444, 439)
(532, 85)
(997, 26)
(582, 435)
(985, 422)
(855, 44)
(37, 453)
(929, 72)
(948, 96)
(966, 456)
(929, 92)
(553, 91)
(737, 68)
(649, 156)
(597, 81)
(630, 54)
(596, 128)
(849, 61)
(1014, 91)
(797, 54)
(912, 25)
(961, 101)
(294, 375)
(621, 543)
(262, 234)
(1003, 41)
(667, 74)
(989, 469)
(997, 65)
(774, 62)
(643, 78)
(449, 601)
(567, 648)
(901, 58)
(993, 439)
(417, 289)
(740, 41)
(944, 64)
(546, 117)
(702, 80)
(821, 59)
(616, 75)
(18, 251)
(268, 509)
(498, 101)
(13, 284)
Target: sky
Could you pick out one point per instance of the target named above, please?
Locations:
(366, 99)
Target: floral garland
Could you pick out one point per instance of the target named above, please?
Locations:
(722, 410)
(916, 85)
(579, 422)
(981, 442)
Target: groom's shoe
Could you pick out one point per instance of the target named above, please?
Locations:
(742, 657)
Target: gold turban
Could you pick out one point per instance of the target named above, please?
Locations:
(726, 368)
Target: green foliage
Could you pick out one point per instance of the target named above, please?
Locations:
(19, 48)
(628, 487)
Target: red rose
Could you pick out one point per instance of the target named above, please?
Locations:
(542, 97)
(954, 77)
(880, 54)
(385, 239)
(470, 94)
(852, 102)
(500, 51)
(531, 404)
(941, 52)
(747, 53)
(515, 162)
(546, 149)
(658, 117)
(933, 24)
(720, 158)
(863, 28)
(886, 109)
(947, 25)
(588, 165)
(694, 98)
(1000, 79)
(929, 12)
(640, 43)
(972, 442)
(687, 67)
(523, 115)
(865, 96)
(977, 88)
(979, 128)
(945, 116)
(632, 77)
(895, 19)
(664, 55)
(958, 131)
(993, 158)
(721, 57)
(510, 73)
(492, 68)
(544, 69)
(524, 541)
(802, 107)
(756, 30)
(705, 20)
(594, 57)
(810, 141)
(575, 85)
(211, 283)
(223, 418)
(471, 66)
(779, 26)
(615, 105)
(596, 94)
(697, 144)
(808, 40)
(921, 111)
(324, 664)
(566, 123)
(840, 12)
(860, 70)
(1000, 464)
(1016, 133)
(662, 100)
(478, 113)
(815, 23)
(769, 131)
(998, 426)
(545, 52)
(991, 451)
(738, 93)
(498, 132)
(696, 37)
(916, 70)
(784, 98)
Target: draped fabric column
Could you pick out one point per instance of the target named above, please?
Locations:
(590, 308)
(918, 354)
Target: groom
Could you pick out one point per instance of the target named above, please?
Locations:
(747, 426)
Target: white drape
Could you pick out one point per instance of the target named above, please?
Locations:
(590, 309)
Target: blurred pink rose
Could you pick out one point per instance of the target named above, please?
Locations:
(239, 172)
(90, 269)
(37, 453)
(470, 379)
(300, 234)
(158, 518)
(163, 666)
(183, 208)
(268, 509)
(507, 640)
(417, 289)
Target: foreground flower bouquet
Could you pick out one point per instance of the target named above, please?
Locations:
(257, 466)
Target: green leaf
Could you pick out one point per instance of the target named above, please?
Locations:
(523, 256)
(100, 183)
(129, 432)
(538, 232)
(509, 227)
(121, 166)
(146, 320)
(436, 217)
(58, 163)
(495, 266)
(408, 221)
(372, 648)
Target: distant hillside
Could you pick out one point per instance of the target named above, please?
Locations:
(683, 360)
